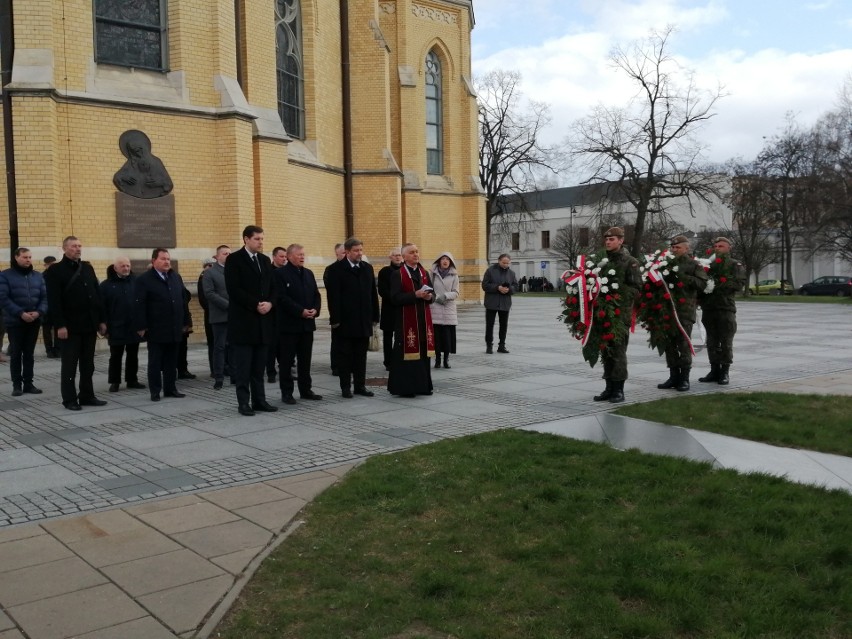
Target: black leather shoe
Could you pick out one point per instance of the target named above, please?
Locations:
(113, 388)
(155, 397)
(288, 399)
(71, 405)
(217, 385)
(92, 402)
(32, 390)
(136, 385)
(174, 393)
(364, 392)
(185, 375)
(272, 378)
(347, 394)
(17, 391)
(246, 410)
(502, 349)
(264, 407)
(311, 396)
(489, 350)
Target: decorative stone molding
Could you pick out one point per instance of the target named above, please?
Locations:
(378, 36)
(434, 14)
(407, 76)
(387, 7)
(468, 84)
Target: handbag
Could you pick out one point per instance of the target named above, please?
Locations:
(375, 342)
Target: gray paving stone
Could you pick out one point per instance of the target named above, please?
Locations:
(30, 551)
(272, 515)
(47, 580)
(224, 539)
(145, 628)
(183, 608)
(190, 517)
(76, 613)
(626, 433)
(161, 572)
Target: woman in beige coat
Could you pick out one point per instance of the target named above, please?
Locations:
(445, 281)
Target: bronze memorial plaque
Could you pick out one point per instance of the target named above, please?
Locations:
(145, 223)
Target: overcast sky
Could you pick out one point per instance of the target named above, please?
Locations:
(770, 56)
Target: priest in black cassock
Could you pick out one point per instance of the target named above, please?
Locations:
(414, 340)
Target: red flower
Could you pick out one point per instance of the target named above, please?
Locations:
(723, 279)
(607, 337)
(682, 300)
(718, 260)
(647, 287)
(659, 283)
(658, 307)
(680, 284)
(642, 305)
(706, 268)
(601, 313)
(708, 252)
(667, 317)
(667, 296)
(575, 314)
(609, 298)
(649, 295)
(607, 324)
(618, 310)
(603, 346)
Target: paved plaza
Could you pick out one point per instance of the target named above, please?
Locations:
(183, 498)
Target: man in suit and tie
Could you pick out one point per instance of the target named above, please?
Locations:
(353, 305)
(251, 321)
(161, 317)
(297, 309)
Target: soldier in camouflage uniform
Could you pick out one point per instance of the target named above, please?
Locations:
(719, 314)
(691, 274)
(615, 356)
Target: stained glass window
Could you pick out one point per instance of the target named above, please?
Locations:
(131, 33)
(291, 77)
(434, 121)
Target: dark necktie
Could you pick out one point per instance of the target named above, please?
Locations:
(256, 263)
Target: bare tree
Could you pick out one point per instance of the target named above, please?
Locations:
(833, 136)
(569, 244)
(754, 220)
(648, 149)
(786, 168)
(512, 156)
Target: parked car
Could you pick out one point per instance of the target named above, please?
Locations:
(828, 285)
(771, 287)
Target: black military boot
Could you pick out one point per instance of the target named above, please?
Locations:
(606, 394)
(437, 360)
(683, 380)
(446, 360)
(672, 381)
(489, 350)
(723, 374)
(617, 393)
(712, 376)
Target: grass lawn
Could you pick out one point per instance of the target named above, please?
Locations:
(814, 422)
(520, 535)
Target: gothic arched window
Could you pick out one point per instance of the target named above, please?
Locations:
(434, 119)
(288, 62)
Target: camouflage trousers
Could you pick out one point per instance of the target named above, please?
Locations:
(678, 354)
(614, 360)
(721, 326)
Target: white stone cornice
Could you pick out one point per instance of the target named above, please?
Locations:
(436, 15)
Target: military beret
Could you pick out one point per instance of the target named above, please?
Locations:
(614, 231)
(680, 239)
(723, 239)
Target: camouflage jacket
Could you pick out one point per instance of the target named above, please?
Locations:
(693, 277)
(629, 288)
(721, 298)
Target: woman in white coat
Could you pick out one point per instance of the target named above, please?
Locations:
(445, 281)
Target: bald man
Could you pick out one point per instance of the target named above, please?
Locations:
(117, 296)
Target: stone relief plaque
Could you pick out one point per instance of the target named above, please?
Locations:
(145, 223)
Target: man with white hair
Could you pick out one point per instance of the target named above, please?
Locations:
(118, 298)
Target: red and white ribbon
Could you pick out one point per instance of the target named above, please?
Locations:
(655, 276)
(588, 286)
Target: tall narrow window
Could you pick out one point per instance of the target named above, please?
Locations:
(132, 33)
(434, 124)
(516, 241)
(288, 61)
(545, 239)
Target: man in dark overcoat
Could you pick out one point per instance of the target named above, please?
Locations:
(251, 320)
(119, 298)
(353, 306)
(161, 318)
(388, 318)
(75, 308)
(298, 306)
